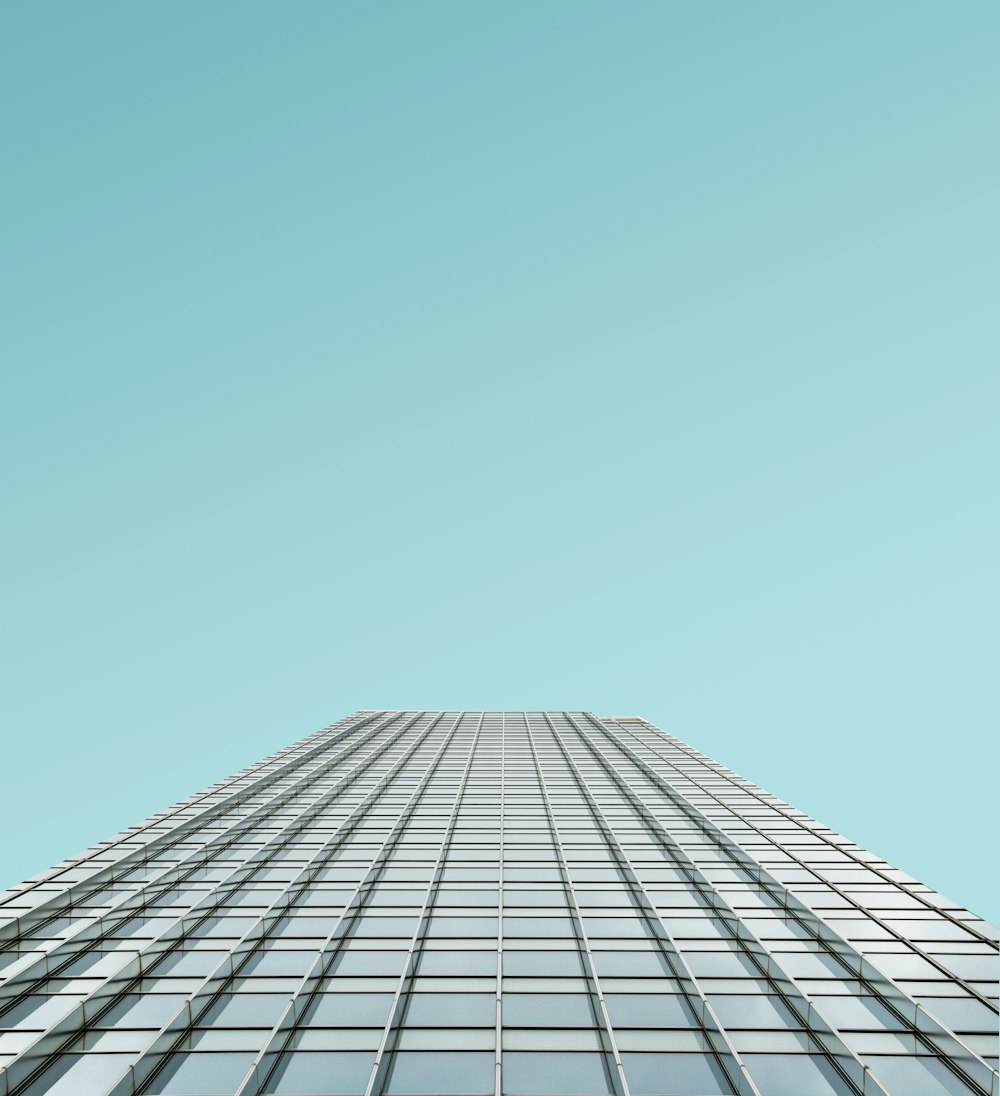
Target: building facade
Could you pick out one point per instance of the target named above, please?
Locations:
(432, 903)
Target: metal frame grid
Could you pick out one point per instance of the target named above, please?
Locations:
(474, 903)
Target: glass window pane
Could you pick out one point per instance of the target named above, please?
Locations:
(456, 962)
(451, 1010)
(674, 1075)
(582, 1074)
(349, 1010)
(368, 962)
(190, 962)
(547, 1010)
(795, 1075)
(961, 1014)
(861, 1013)
(628, 964)
(649, 1010)
(39, 1012)
(151, 1010)
(246, 1010)
(202, 1074)
(744, 1010)
(436, 1073)
(279, 962)
(547, 898)
(915, 1075)
(542, 964)
(535, 927)
(462, 926)
(80, 1075)
(448, 897)
(726, 964)
(322, 1073)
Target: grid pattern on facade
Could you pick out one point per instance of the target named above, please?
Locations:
(472, 903)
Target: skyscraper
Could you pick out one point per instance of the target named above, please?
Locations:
(490, 902)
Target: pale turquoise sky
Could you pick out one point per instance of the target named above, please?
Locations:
(637, 358)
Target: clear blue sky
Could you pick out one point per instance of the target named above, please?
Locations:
(633, 358)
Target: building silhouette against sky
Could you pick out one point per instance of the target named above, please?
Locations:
(483, 902)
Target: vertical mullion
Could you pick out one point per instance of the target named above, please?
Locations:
(813, 1020)
(920, 1023)
(881, 922)
(41, 914)
(498, 1083)
(133, 902)
(390, 1033)
(253, 940)
(772, 802)
(711, 1028)
(583, 942)
(284, 1029)
(36, 1057)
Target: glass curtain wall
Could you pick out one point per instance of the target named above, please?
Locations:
(473, 903)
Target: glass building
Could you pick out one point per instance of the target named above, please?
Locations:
(490, 902)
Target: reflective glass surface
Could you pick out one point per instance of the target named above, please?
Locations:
(486, 903)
